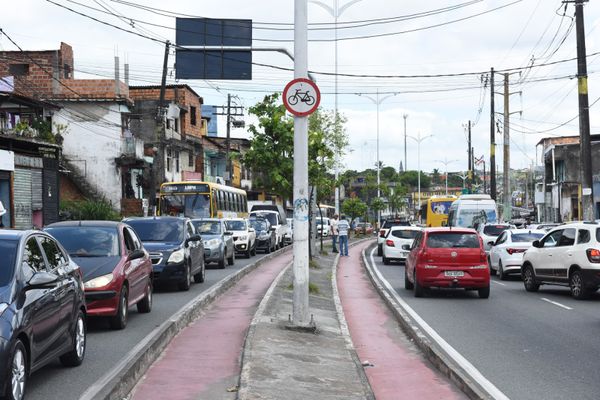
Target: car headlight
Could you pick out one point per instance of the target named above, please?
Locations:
(176, 257)
(98, 282)
(243, 237)
(211, 243)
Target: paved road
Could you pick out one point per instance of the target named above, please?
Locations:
(107, 347)
(542, 345)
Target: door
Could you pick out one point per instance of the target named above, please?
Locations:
(196, 253)
(497, 248)
(564, 254)
(42, 305)
(545, 258)
(134, 270)
(412, 258)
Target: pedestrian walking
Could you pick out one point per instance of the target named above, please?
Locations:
(334, 233)
(343, 228)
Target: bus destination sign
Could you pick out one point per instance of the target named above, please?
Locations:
(185, 188)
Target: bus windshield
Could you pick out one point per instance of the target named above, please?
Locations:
(468, 217)
(189, 205)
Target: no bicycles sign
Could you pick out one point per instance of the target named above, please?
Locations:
(301, 97)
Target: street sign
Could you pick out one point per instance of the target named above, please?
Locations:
(301, 97)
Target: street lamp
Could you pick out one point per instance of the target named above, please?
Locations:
(336, 11)
(446, 162)
(419, 139)
(378, 100)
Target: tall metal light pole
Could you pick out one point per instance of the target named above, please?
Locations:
(419, 139)
(378, 100)
(446, 162)
(336, 11)
(405, 162)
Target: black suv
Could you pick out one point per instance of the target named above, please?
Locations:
(175, 248)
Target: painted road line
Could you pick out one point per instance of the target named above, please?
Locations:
(499, 283)
(556, 303)
(450, 351)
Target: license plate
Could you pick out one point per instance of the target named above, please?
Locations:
(454, 274)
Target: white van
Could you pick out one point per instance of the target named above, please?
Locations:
(471, 210)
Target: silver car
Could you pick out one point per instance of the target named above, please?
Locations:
(218, 241)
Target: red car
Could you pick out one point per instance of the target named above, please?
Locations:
(447, 258)
(117, 270)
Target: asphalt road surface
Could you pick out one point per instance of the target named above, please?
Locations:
(106, 347)
(542, 345)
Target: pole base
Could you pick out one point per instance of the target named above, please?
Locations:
(311, 327)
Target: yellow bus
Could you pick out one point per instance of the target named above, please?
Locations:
(196, 199)
(434, 212)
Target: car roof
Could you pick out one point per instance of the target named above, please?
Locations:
(207, 220)
(109, 224)
(525, 230)
(156, 218)
(14, 234)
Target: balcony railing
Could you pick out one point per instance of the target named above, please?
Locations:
(132, 147)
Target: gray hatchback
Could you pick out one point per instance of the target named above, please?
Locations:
(218, 242)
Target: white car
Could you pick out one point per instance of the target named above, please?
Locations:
(278, 224)
(567, 255)
(244, 236)
(506, 254)
(385, 227)
(490, 232)
(323, 227)
(395, 238)
(288, 237)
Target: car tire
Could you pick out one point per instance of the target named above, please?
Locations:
(408, 285)
(75, 357)
(577, 286)
(119, 321)
(419, 290)
(200, 277)
(231, 260)
(492, 270)
(484, 293)
(501, 273)
(144, 306)
(17, 379)
(254, 249)
(386, 261)
(379, 250)
(529, 279)
(187, 282)
(222, 261)
(248, 253)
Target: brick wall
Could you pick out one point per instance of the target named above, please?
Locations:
(132, 208)
(68, 191)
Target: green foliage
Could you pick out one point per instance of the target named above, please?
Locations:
(354, 207)
(88, 210)
(388, 174)
(377, 204)
(411, 178)
(312, 288)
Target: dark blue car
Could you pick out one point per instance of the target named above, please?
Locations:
(42, 308)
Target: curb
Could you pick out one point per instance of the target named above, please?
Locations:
(441, 359)
(120, 381)
(369, 395)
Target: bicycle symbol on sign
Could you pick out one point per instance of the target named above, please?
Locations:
(303, 97)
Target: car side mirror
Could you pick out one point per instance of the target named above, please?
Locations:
(250, 229)
(193, 238)
(536, 243)
(406, 247)
(476, 226)
(491, 243)
(41, 280)
(136, 254)
(228, 233)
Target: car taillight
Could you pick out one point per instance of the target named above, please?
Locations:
(512, 251)
(483, 257)
(593, 255)
(382, 233)
(389, 243)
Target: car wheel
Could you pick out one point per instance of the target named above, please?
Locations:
(268, 249)
(222, 261)
(15, 387)
(578, 289)
(187, 282)
(492, 270)
(419, 290)
(529, 279)
(254, 249)
(484, 293)
(119, 321)
(145, 305)
(501, 273)
(231, 260)
(408, 285)
(379, 250)
(386, 261)
(75, 357)
(201, 276)
(248, 252)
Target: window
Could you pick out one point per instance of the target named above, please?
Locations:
(176, 124)
(18, 69)
(67, 71)
(583, 236)
(568, 237)
(32, 257)
(176, 161)
(193, 115)
(404, 233)
(169, 159)
(191, 162)
(552, 239)
(453, 240)
(190, 229)
(54, 256)
(131, 241)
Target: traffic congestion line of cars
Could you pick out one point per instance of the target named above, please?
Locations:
(53, 281)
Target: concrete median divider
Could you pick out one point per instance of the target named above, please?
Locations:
(118, 383)
(444, 357)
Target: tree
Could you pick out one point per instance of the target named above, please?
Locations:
(377, 205)
(436, 177)
(388, 174)
(410, 178)
(354, 207)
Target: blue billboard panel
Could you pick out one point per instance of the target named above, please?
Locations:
(213, 64)
(213, 32)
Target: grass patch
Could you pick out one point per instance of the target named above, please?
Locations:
(312, 288)
(312, 264)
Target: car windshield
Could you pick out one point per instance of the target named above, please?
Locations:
(494, 230)
(271, 217)
(87, 241)
(526, 237)
(259, 226)
(8, 249)
(404, 233)
(189, 205)
(208, 227)
(452, 240)
(236, 225)
(157, 230)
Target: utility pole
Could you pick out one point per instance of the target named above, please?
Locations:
(506, 210)
(585, 143)
(405, 162)
(469, 154)
(158, 176)
(492, 139)
(228, 172)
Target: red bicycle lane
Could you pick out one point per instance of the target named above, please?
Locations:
(397, 370)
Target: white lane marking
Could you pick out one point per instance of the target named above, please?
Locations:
(450, 351)
(556, 303)
(499, 283)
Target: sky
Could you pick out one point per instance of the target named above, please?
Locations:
(429, 61)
